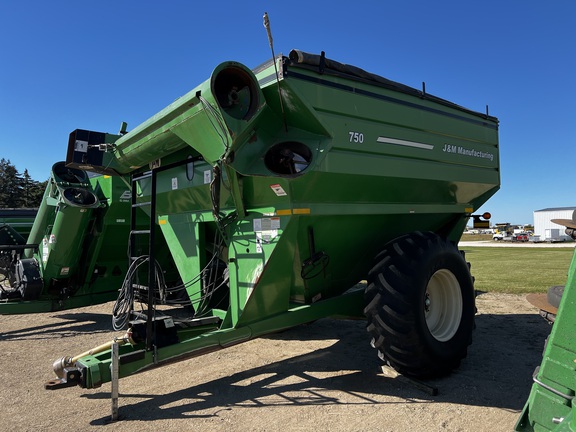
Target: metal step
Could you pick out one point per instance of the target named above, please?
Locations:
(140, 232)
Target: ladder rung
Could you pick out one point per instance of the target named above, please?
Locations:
(143, 176)
(142, 204)
(140, 232)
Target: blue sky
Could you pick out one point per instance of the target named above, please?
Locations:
(91, 65)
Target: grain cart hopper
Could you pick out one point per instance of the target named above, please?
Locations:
(75, 253)
(279, 189)
(551, 405)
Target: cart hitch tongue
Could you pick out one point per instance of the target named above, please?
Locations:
(71, 377)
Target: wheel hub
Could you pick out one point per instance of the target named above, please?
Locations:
(443, 305)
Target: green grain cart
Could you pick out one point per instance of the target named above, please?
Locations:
(75, 253)
(276, 191)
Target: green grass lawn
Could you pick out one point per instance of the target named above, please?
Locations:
(518, 270)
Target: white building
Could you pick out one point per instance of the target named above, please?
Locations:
(547, 230)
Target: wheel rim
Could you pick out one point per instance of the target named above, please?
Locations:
(443, 305)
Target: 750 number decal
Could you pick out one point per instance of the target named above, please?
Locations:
(356, 137)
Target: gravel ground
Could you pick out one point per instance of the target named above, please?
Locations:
(322, 376)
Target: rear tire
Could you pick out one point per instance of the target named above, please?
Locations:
(420, 305)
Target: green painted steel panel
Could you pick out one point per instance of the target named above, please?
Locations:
(550, 405)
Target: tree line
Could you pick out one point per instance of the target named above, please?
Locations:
(19, 190)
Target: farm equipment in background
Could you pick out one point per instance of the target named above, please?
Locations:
(503, 232)
(551, 405)
(19, 219)
(75, 253)
(15, 226)
(278, 190)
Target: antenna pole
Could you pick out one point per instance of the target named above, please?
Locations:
(271, 42)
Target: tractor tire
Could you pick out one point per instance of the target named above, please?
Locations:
(420, 305)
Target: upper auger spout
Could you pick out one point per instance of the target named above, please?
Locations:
(210, 120)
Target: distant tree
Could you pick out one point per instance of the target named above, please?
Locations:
(26, 189)
(10, 185)
(32, 190)
(37, 192)
(17, 191)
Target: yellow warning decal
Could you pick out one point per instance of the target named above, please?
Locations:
(296, 211)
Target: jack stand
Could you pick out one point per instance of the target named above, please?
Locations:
(114, 381)
(391, 373)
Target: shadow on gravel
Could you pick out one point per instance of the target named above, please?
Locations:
(497, 373)
(69, 324)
